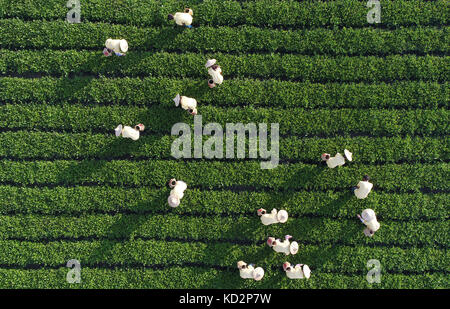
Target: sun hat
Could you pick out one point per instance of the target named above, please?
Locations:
(258, 273)
(210, 62)
(368, 215)
(173, 201)
(177, 100)
(123, 46)
(118, 130)
(282, 216)
(348, 155)
(306, 271)
(293, 248)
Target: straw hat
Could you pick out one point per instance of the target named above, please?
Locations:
(177, 99)
(210, 62)
(306, 271)
(368, 215)
(282, 216)
(123, 46)
(293, 248)
(348, 155)
(118, 130)
(258, 273)
(173, 201)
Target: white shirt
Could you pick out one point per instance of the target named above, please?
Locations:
(129, 132)
(364, 189)
(246, 273)
(216, 75)
(337, 160)
(188, 103)
(271, 218)
(183, 19)
(282, 247)
(373, 225)
(295, 273)
(178, 190)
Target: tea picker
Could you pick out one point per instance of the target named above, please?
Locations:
(285, 247)
(215, 72)
(176, 194)
(183, 18)
(129, 132)
(363, 188)
(118, 47)
(272, 217)
(186, 103)
(369, 218)
(249, 271)
(338, 159)
(300, 271)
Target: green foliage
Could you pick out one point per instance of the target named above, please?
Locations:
(262, 13)
(69, 189)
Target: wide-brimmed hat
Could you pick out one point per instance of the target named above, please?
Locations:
(306, 271)
(210, 62)
(293, 248)
(177, 99)
(282, 216)
(348, 155)
(123, 45)
(118, 130)
(258, 273)
(368, 215)
(173, 201)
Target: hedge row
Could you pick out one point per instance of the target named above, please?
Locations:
(43, 145)
(147, 253)
(15, 33)
(150, 91)
(294, 67)
(239, 229)
(216, 174)
(160, 119)
(263, 13)
(203, 278)
(81, 199)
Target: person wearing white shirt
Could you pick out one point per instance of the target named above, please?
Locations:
(369, 218)
(363, 188)
(119, 47)
(215, 72)
(273, 217)
(285, 247)
(337, 160)
(249, 271)
(176, 194)
(300, 271)
(183, 18)
(129, 132)
(186, 103)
